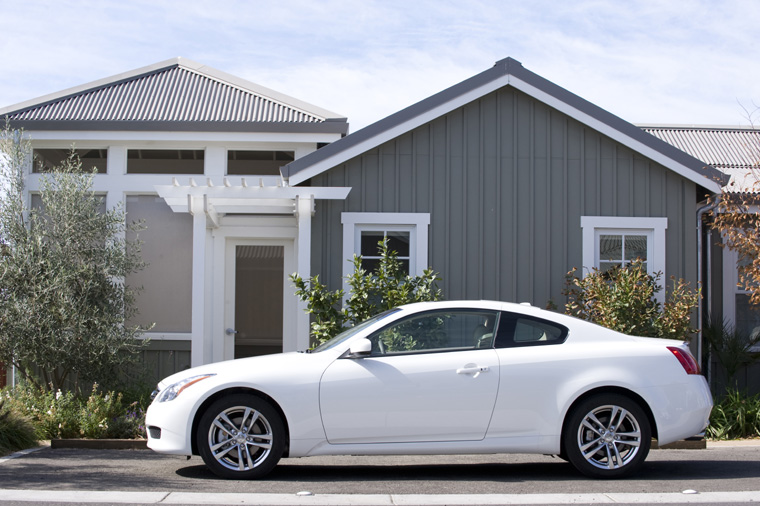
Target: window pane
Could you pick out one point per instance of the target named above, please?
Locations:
(610, 247)
(399, 242)
(532, 331)
(92, 159)
(747, 316)
(165, 161)
(166, 298)
(369, 245)
(635, 247)
(370, 264)
(606, 266)
(440, 330)
(260, 163)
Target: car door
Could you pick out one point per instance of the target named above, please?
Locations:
(431, 376)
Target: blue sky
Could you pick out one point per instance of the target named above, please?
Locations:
(658, 61)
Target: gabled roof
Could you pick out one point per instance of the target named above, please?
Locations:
(507, 72)
(176, 94)
(733, 150)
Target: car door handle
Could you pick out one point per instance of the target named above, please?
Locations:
(472, 369)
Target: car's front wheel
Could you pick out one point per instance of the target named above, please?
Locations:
(607, 436)
(241, 436)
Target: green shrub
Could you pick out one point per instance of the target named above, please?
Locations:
(16, 431)
(737, 415)
(370, 293)
(623, 299)
(64, 415)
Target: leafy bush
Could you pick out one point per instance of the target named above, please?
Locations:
(16, 430)
(623, 299)
(737, 415)
(64, 415)
(370, 293)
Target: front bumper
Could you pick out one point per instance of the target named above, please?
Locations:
(172, 422)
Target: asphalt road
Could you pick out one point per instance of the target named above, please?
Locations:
(714, 471)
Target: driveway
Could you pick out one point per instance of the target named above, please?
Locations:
(719, 473)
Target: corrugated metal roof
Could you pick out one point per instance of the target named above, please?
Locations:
(177, 90)
(733, 150)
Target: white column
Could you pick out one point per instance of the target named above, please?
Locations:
(304, 209)
(198, 348)
(215, 162)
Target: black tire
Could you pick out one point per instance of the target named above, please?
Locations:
(241, 436)
(607, 436)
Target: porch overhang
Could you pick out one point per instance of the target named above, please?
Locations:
(244, 196)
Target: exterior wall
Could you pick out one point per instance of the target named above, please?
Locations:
(506, 180)
(162, 358)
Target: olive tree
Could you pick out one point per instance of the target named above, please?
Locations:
(64, 306)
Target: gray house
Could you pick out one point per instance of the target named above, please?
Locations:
(502, 183)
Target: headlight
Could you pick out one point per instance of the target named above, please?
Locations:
(172, 391)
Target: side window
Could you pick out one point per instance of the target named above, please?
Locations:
(518, 330)
(448, 330)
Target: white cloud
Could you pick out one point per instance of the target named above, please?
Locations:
(645, 60)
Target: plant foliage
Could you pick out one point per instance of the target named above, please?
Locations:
(736, 415)
(64, 306)
(63, 414)
(16, 430)
(623, 299)
(370, 293)
(732, 347)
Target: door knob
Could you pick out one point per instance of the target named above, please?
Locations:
(230, 332)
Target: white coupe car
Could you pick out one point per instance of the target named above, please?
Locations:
(440, 378)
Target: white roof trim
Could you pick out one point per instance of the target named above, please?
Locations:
(474, 94)
(614, 134)
(399, 129)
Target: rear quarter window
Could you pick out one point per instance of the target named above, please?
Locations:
(519, 330)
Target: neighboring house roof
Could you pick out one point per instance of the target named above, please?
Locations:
(507, 72)
(176, 94)
(733, 150)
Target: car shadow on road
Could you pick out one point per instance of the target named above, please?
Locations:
(554, 470)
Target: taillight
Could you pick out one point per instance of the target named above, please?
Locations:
(686, 359)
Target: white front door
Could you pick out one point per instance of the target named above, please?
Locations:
(257, 296)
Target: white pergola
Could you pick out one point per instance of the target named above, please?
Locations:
(208, 203)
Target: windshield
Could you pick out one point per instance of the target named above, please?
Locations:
(350, 332)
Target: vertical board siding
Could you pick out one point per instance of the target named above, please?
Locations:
(161, 359)
(506, 180)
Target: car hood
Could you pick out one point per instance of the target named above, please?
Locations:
(262, 363)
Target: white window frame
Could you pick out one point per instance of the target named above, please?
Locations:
(414, 223)
(653, 228)
(731, 288)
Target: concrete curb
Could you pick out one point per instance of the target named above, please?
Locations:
(100, 444)
(684, 444)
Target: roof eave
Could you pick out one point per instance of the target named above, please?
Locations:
(505, 72)
(330, 126)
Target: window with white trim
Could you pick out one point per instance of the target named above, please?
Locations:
(407, 235)
(611, 241)
(736, 306)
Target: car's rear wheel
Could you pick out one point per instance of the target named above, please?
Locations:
(607, 436)
(241, 437)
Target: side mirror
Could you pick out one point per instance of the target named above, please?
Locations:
(361, 348)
